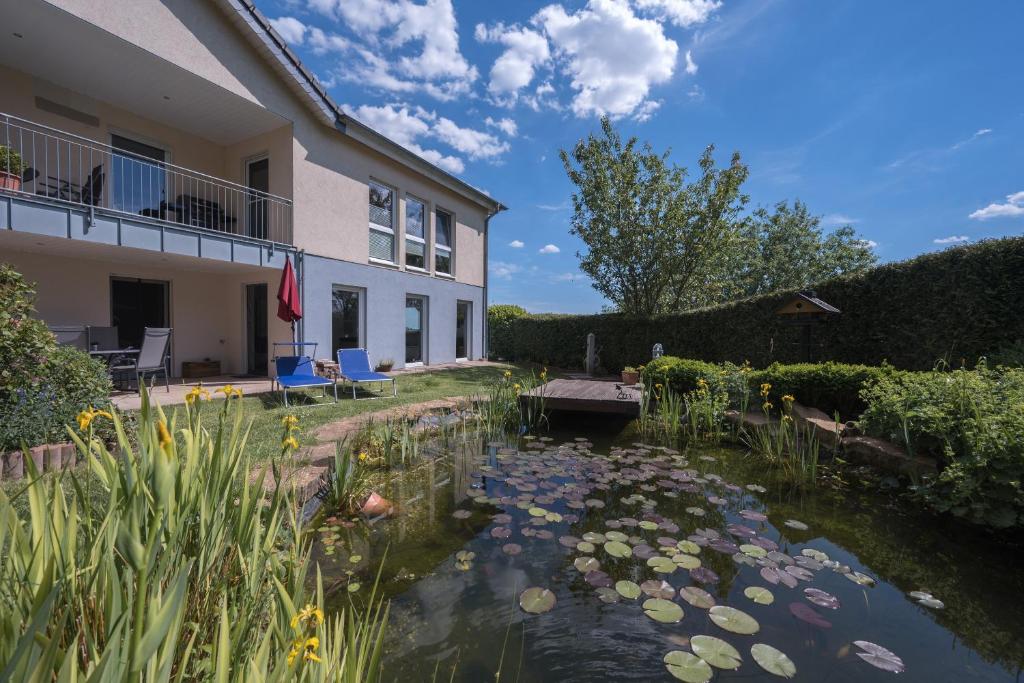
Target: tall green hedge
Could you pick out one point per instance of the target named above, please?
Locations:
(955, 306)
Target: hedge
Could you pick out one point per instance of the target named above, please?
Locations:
(955, 306)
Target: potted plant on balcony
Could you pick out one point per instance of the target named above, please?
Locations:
(11, 167)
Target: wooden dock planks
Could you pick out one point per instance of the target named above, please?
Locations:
(588, 396)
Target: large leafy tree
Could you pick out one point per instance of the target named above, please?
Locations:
(650, 236)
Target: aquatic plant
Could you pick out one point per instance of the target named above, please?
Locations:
(167, 561)
(509, 407)
(788, 446)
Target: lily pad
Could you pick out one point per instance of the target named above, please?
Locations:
(879, 657)
(804, 613)
(688, 546)
(662, 565)
(761, 596)
(665, 611)
(648, 525)
(703, 575)
(616, 536)
(617, 549)
(716, 652)
(772, 660)
(860, 578)
(585, 547)
(733, 620)
(512, 548)
(627, 589)
(821, 598)
(753, 550)
(607, 595)
(537, 600)
(658, 589)
(462, 514)
(586, 564)
(686, 561)
(688, 667)
(698, 597)
(799, 526)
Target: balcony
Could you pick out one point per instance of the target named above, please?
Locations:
(129, 185)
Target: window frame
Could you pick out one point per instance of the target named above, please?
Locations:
(393, 261)
(425, 205)
(441, 248)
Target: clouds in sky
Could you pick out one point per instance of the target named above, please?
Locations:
(1011, 208)
(952, 239)
(517, 244)
(549, 249)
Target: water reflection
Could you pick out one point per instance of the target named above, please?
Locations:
(470, 622)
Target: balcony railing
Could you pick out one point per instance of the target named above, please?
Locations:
(47, 162)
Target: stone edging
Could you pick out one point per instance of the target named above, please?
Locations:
(48, 457)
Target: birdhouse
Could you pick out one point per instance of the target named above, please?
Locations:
(806, 311)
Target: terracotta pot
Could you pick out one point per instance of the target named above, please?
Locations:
(38, 456)
(630, 377)
(9, 181)
(376, 505)
(13, 466)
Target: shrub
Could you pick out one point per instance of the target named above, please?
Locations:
(499, 325)
(42, 385)
(973, 421)
(954, 304)
(831, 387)
(10, 161)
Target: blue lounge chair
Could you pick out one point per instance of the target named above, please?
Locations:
(354, 366)
(296, 372)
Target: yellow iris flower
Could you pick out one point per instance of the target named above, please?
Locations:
(163, 434)
(86, 417)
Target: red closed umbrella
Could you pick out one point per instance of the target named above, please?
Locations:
(289, 309)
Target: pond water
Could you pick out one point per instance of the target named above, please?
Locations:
(480, 523)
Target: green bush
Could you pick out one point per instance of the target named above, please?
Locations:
(951, 305)
(499, 327)
(43, 386)
(10, 161)
(830, 387)
(973, 421)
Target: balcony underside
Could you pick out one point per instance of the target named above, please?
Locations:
(31, 217)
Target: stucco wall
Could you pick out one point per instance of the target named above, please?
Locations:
(384, 314)
(206, 308)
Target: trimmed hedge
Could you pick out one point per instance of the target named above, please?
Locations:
(500, 319)
(954, 306)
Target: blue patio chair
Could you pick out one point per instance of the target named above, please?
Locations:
(354, 366)
(296, 372)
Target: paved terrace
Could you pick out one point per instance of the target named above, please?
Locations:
(252, 386)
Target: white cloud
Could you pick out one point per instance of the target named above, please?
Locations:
(475, 143)
(612, 56)
(1013, 207)
(549, 249)
(952, 239)
(691, 66)
(506, 126)
(503, 269)
(405, 128)
(981, 132)
(870, 244)
(696, 93)
(680, 12)
(517, 244)
(553, 207)
(290, 28)
(837, 219)
(526, 51)
(383, 28)
(566, 277)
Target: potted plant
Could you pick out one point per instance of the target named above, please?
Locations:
(11, 167)
(630, 375)
(385, 365)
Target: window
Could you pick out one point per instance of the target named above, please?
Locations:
(346, 318)
(415, 323)
(443, 242)
(139, 178)
(415, 242)
(382, 219)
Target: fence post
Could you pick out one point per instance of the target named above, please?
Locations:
(591, 364)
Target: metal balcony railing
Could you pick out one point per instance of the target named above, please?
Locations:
(45, 162)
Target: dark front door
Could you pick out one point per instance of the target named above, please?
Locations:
(462, 322)
(345, 318)
(136, 304)
(256, 329)
(258, 172)
(414, 323)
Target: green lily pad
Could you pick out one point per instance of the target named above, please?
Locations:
(537, 600)
(665, 611)
(607, 595)
(586, 564)
(688, 667)
(698, 597)
(662, 565)
(618, 549)
(585, 547)
(594, 537)
(761, 596)
(553, 517)
(686, 561)
(733, 620)
(716, 652)
(773, 661)
(753, 550)
(627, 589)
(616, 536)
(537, 512)
(355, 559)
(647, 525)
(688, 546)
(353, 587)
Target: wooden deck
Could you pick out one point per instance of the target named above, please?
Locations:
(588, 396)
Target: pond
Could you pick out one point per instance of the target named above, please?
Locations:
(634, 551)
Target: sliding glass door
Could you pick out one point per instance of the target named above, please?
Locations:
(139, 181)
(346, 318)
(135, 305)
(415, 325)
(463, 321)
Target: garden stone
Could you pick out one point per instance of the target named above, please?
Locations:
(13, 466)
(888, 457)
(69, 455)
(54, 456)
(38, 455)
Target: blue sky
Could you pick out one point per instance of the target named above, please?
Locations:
(904, 119)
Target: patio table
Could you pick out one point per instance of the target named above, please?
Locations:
(109, 355)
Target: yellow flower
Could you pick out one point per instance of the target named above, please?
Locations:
(658, 387)
(230, 391)
(544, 375)
(363, 456)
(767, 405)
(293, 653)
(163, 434)
(311, 646)
(516, 388)
(508, 374)
(307, 615)
(290, 422)
(290, 443)
(86, 417)
(765, 389)
(788, 399)
(786, 419)
(197, 394)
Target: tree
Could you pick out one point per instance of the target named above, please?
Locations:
(649, 235)
(786, 249)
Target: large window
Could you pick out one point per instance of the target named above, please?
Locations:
(346, 318)
(382, 222)
(444, 242)
(139, 178)
(415, 234)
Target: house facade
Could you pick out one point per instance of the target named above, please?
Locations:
(174, 153)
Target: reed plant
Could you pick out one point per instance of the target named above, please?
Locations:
(185, 568)
(506, 408)
(788, 447)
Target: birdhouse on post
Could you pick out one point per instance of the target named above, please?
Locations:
(806, 311)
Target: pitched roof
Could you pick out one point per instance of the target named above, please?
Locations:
(257, 28)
